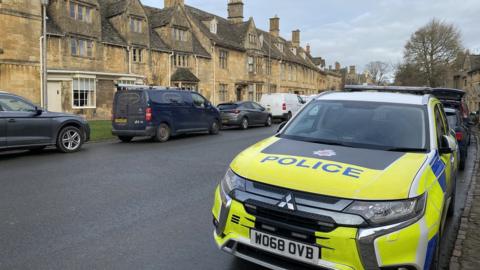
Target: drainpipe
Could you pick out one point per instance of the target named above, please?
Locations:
(170, 69)
(214, 74)
(129, 60)
(41, 72)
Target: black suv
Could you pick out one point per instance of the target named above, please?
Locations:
(25, 126)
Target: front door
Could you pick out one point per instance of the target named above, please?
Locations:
(447, 160)
(54, 97)
(24, 126)
(199, 112)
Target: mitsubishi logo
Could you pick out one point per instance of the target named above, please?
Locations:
(288, 202)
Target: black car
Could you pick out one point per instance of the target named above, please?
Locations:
(462, 132)
(160, 113)
(244, 114)
(25, 126)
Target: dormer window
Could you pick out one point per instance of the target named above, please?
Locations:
(261, 39)
(294, 50)
(213, 26)
(252, 38)
(136, 25)
(80, 12)
(303, 55)
(279, 46)
(179, 34)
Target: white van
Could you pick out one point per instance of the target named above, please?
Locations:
(282, 105)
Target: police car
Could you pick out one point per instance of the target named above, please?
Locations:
(356, 180)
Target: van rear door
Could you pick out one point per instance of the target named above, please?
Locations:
(129, 110)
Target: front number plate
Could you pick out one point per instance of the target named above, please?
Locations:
(285, 247)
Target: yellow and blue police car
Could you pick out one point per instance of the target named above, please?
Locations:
(356, 180)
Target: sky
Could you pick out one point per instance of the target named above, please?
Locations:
(355, 32)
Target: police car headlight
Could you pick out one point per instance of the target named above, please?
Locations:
(388, 212)
(231, 182)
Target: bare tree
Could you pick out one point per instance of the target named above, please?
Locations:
(433, 48)
(379, 71)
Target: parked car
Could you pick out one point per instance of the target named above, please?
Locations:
(26, 126)
(282, 105)
(161, 113)
(453, 98)
(462, 133)
(244, 114)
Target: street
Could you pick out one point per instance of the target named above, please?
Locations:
(126, 206)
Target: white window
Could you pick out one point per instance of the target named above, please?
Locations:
(84, 90)
(213, 26)
(80, 12)
(137, 55)
(136, 25)
(223, 92)
(179, 34)
(81, 47)
(181, 60)
(252, 38)
(251, 64)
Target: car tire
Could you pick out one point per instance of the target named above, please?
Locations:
(163, 133)
(289, 116)
(244, 125)
(69, 140)
(125, 139)
(269, 121)
(215, 127)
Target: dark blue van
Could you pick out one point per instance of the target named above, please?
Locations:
(161, 113)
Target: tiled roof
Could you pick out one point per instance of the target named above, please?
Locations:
(156, 42)
(228, 34)
(184, 75)
(159, 17)
(114, 8)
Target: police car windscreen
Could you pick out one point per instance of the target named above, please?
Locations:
(373, 125)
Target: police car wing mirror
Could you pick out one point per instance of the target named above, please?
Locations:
(446, 146)
(281, 126)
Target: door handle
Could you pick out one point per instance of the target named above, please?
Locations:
(11, 120)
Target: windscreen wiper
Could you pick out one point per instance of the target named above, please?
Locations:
(406, 149)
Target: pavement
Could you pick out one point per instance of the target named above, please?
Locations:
(467, 244)
(128, 206)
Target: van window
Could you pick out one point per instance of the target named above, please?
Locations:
(166, 97)
(198, 100)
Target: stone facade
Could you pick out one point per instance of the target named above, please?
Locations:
(95, 44)
(468, 79)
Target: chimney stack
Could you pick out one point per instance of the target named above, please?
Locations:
(296, 38)
(353, 70)
(235, 11)
(337, 66)
(275, 26)
(308, 49)
(172, 3)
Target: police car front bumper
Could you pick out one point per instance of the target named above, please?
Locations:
(344, 247)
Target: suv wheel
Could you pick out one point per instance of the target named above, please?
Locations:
(244, 124)
(215, 127)
(69, 140)
(163, 133)
(125, 139)
(269, 121)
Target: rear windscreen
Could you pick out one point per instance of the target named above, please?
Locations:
(129, 101)
(227, 107)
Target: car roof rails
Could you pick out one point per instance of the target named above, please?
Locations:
(389, 89)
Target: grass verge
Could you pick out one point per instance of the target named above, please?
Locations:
(100, 130)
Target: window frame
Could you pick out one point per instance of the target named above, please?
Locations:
(92, 92)
(223, 59)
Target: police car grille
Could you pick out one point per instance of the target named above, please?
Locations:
(293, 221)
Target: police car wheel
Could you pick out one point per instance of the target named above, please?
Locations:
(244, 124)
(163, 133)
(269, 121)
